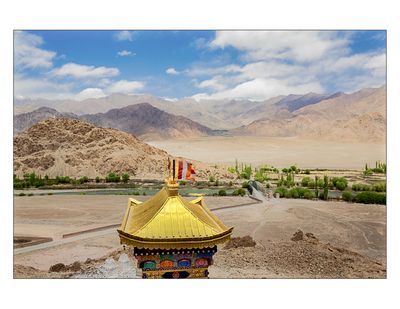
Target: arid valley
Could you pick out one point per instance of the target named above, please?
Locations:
(276, 151)
(227, 154)
(67, 207)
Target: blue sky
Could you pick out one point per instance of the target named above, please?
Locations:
(200, 64)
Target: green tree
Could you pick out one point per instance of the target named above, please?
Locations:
(112, 177)
(281, 191)
(231, 169)
(246, 172)
(370, 198)
(308, 195)
(83, 179)
(341, 184)
(347, 196)
(222, 192)
(305, 181)
(368, 172)
(240, 192)
(125, 178)
(326, 183)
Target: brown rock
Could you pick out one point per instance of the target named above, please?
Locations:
(299, 235)
(76, 266)
(59, 267)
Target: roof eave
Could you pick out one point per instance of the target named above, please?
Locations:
(175, 243)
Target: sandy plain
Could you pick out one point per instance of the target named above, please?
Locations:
(356, 227)
(276, 151)
(56, 215)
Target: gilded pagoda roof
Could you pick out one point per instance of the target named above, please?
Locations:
(169, 221)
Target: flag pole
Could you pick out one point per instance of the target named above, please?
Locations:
(169, 169)
(173, 170)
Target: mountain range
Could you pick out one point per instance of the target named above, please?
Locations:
(215, 114)
(355, 117)
(143, 120)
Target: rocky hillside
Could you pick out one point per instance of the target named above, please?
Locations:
(142, 120)
(70, 147)
(148, 122)
(26, 120)
(356, 117)
(60, 146)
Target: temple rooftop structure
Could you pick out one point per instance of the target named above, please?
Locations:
(171, 236)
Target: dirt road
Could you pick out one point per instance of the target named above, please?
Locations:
(357, 227)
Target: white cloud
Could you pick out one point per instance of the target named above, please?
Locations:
(170, 99)
(124, 36)
(376, 62)
(34, 88)
(214, 83)
(90, 93)
(261, 89)
(27, 53)
(171, 71)
(85, 81)
(124, 53)
(200, 43)
(124, 86)
(84, 71)
(301, 46)
(202, 71)
(288, 62)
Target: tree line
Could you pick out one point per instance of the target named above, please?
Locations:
(33, 180)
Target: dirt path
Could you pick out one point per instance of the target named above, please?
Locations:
(94, 234)
(65, 241)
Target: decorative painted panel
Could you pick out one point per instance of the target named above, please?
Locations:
(149, 265)
(184, 263)
(201, 262)
(167, 264)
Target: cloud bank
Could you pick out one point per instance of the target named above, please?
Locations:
(287, 62)
(68, 81)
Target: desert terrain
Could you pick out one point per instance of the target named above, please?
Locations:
(276, 151)
(355, 234)
(284, 238)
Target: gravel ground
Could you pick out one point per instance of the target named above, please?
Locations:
(303, 258)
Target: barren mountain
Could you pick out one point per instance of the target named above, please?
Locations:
(332, 117)
(346, 106)
(148, 122)
(87, 106)
(70, 147)
(356, 117)
(215, 114)
(26, 120)
(142, 120)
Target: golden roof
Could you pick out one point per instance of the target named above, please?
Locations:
(168, 221)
